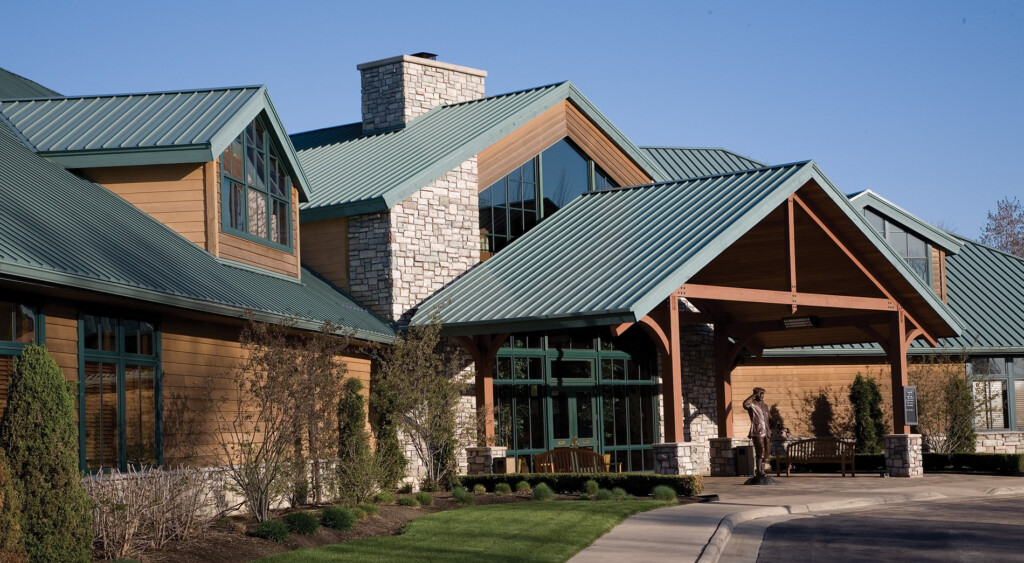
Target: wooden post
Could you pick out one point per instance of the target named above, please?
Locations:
(723, 382)
(673, 384)
(485, 396)
(898, 365)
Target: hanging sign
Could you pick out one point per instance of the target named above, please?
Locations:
(910, 405)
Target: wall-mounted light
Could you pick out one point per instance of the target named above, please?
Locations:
(800, 322)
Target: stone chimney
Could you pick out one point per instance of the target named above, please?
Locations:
(398, 89)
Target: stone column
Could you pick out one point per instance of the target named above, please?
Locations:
(481, 459)
(903, 455)
(723, 455)
(678, 458)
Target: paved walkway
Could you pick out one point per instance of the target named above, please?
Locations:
(702, 532)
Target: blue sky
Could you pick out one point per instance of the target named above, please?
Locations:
(922, 102)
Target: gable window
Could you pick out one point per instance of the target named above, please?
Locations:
(118, 394)
(255, 188)
(509, 208)
(914, 251)
(17, 329)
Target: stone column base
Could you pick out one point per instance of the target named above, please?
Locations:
(723, 455)
(679, 458)
(481, 459)
(903, 455)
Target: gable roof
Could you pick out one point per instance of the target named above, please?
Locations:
(612, 256)
(15, 86)
(689, 162)
(60, 229)
(353, 174)
(138, 129)
(934, 235)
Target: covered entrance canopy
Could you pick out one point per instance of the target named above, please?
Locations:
(772, 257)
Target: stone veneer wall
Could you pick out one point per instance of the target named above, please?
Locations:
(1000, 442)
(903, 455)
(369, 261)
(397, 90)
(699, 404)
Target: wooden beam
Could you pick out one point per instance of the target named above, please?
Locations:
(898, 366)
(792, 250)
(735, 329)
(483, 348)
(619, 329)
(672, 386)
(723, 384)
(654, 326)
(719, 293)
(876, 336)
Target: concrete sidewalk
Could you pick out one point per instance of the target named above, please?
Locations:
(700, 532)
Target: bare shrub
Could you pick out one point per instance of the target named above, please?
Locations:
(946, 408)
(141, 510)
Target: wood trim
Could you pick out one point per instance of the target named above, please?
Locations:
(791, 230)
(295, 233)
(719, 293)
(210, 184)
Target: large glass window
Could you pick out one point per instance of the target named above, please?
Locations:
(998, 385)
(255, 187)
(17, 329)
(913, 250)
(508, 208)
(118, 394)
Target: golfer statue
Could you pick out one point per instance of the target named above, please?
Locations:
(759, 431)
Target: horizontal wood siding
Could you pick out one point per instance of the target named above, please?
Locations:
(600, 148)
(939, 273)
(326, 249)
(170, 193)
(62, 337)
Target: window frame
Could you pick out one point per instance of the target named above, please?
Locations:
(270, 150)
(14, 348)
(121, 359)
(887, 224)
(1008, 377)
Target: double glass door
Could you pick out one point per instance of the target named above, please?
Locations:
(573, 407)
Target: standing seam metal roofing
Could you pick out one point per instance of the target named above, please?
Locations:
(374, 172)
(58, 228)
(681, 162)
(15, 86)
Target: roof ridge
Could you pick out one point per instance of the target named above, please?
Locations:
(495, 96)
(325, 128)
(695, 178)
(723, 149)
(126, 94)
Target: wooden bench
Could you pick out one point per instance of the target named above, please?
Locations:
(819, 450)
(570, 460)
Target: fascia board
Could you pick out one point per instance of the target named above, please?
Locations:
(362, 207)
(131, 157)
(560, 322)
(919, 227)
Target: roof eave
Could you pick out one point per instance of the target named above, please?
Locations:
(130, 157)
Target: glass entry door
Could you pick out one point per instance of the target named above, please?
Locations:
(572, 418)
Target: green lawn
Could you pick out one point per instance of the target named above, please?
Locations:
(535, 531)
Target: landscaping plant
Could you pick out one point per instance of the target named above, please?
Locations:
(462, 496)
(522, 486)
(502, 489)
(663, 492)
(591, 487)
(479, 489)
(359, 513)
(618, 493)
(384, 497)
(868, 418)
(337, 518)
(360, 471)
(572, 483)
(302, 523)
(39, 435)
(408, 501)
(425, 498)
(369, 509)
(10, 510)
(272, 530)
(388, 450)
(543, 492)
(946, 407)
(603, 494)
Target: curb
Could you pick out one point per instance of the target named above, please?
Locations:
(716, 545)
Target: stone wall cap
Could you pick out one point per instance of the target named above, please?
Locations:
(422, 61)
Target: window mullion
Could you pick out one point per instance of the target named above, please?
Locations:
(122, 414)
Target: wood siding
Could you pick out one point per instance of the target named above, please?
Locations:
(62, 337)
(173, 194)
(562, 120)
(326, 249)
(939, 273)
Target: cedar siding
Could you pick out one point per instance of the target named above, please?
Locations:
(327, 249)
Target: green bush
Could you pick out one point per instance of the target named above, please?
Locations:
(408, 501)
(639, 484)
(337, 518)
(868, 419)
(974, 462)
(384, 497)
(10, 509)
(479, 489)
(959, 405)
(543, 492)
(40, 437)
(591, 487)
(272, 530)
(462, 496)
(405, 489)
(663, 492)
(619, 493)
(502, 489)
(302, 523)
(603, 494)
(388, 448)
(359, 513)
(425, 498)
(369, 509)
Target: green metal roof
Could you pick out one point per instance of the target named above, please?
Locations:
(685, 162)
(354, 174)
(59, 229)
(612, 256)
(15, 86)
(933, 235)
(137, 129)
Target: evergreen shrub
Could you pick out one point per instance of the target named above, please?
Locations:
(663, 492)
(639, 484)
(271, 530)
(425, 498)
(39, 435)
(868, 419)
(10, 510)
(479, 489)
(369, 509)
(522, 486)
(502, 489)
(302, 523)
(337, 518)
(591, 487)
(359, 513)
(384, 497)
(408, 501)
(543, 492)
(462, 496)
(619, 493)
(603, 494)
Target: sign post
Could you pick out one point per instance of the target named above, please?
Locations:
(910, 405)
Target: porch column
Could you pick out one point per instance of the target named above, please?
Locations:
(898, 365)
(673, 384)
(483, 348)
(723, 382)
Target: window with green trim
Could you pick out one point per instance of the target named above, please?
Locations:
(17, 329)
(914, 250)
(256, 188)
(509, 207)
(119, 422)
(998, 385)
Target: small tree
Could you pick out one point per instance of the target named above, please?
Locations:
(946, 407)
(868, 418)
(388, 448)
(10, 510)
(1005, 228)
(40, 437)
(358, 473)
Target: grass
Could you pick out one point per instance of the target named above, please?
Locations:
(538, 531)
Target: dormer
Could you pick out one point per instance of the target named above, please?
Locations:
(216, 166)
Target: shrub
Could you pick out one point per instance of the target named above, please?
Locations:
(462, 496)
(359, 513)
(980, 462)
(408, 501)
(425, 498)
(369, 509)
(359, 470)
(10, 508)
(479, 489)
(337, 518)
(960, 408)
(868, 419)
(384, 497)
(591, 487)
(39, 435)
(543, 492)
(639, 484)
(663, 492)
(302, 523)
(502, 489)
(619, 493)
(603, 494)
(405, 489)
(272, 530)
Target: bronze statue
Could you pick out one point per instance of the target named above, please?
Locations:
(759, 431)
